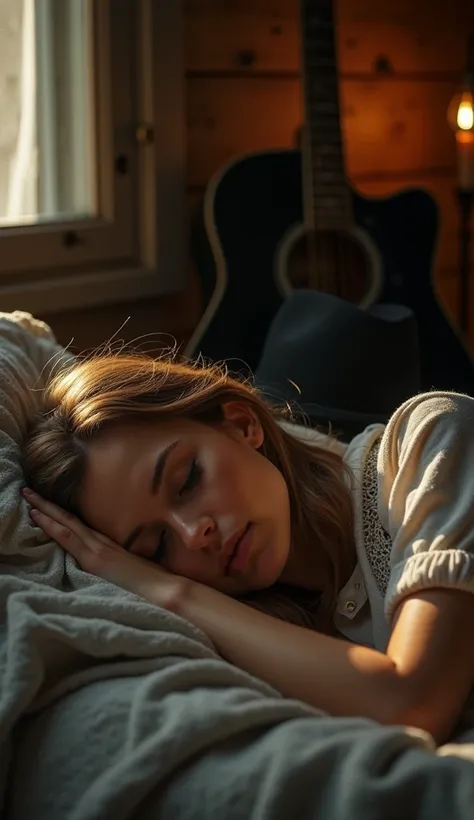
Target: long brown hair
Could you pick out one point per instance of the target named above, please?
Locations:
(104, 390)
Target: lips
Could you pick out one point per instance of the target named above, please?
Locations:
(232, 549)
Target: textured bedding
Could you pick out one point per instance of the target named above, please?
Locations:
(111, 708)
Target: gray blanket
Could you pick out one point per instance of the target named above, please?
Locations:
(111, 708)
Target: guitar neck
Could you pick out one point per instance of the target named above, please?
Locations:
(328, 202)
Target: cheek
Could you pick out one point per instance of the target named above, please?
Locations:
(193, 565)
(266, 483)
(251, 484)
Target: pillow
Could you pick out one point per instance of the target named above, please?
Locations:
(29, 353)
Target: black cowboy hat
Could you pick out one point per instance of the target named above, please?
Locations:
(340, 365)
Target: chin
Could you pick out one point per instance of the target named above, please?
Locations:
(258, 582)
(270, 566)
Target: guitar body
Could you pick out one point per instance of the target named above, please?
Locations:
(248, 209)
(244, 241)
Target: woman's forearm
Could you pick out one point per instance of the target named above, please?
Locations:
(330, 674)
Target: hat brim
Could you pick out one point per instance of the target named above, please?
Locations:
(337, 416)
(320, 413)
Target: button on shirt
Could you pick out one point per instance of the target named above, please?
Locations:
(352, 618)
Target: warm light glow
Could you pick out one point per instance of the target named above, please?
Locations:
(465, 116)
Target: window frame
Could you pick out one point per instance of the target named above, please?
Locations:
(137, 247)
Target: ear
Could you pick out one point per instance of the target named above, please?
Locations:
(243, 422)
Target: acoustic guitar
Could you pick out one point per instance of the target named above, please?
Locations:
(280, 219)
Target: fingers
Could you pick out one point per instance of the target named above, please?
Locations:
(64, 536)
(53, 511)
(92, 555)
(89, 548)
(99, 556)
(67, 519)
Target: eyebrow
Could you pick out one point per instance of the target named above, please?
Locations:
(156, 481)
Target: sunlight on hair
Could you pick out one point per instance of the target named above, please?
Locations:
(87, 396)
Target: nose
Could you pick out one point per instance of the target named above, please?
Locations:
(200, 533)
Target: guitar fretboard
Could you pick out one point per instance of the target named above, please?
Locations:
(327, 196)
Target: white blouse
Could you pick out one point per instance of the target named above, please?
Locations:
(425, 495)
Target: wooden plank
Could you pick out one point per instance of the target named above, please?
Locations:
(230, 117)
(394, 126)
(389, 126)
(389, 9)
(152, 325)
(263, 35)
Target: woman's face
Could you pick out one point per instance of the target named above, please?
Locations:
(200, 500)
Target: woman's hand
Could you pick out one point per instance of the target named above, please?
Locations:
(100, 556)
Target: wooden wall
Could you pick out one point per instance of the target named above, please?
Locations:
(400, 62)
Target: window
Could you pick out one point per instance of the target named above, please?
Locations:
(48, 166)
(83, 151)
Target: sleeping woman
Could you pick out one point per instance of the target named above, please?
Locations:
(343, 575)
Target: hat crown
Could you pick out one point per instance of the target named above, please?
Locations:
(325, 351)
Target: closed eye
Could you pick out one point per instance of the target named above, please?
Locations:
(160, 551)
(193, 478)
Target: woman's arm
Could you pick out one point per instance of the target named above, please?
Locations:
(422, 681)
(432, 647)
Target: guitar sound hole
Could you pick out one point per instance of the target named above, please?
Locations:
(332, 262)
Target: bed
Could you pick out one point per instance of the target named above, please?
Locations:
(113, 708)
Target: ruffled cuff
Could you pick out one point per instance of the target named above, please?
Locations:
(450, 569)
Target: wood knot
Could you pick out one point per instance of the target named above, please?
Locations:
(383, 66)
(398, 129)
(246, 58)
